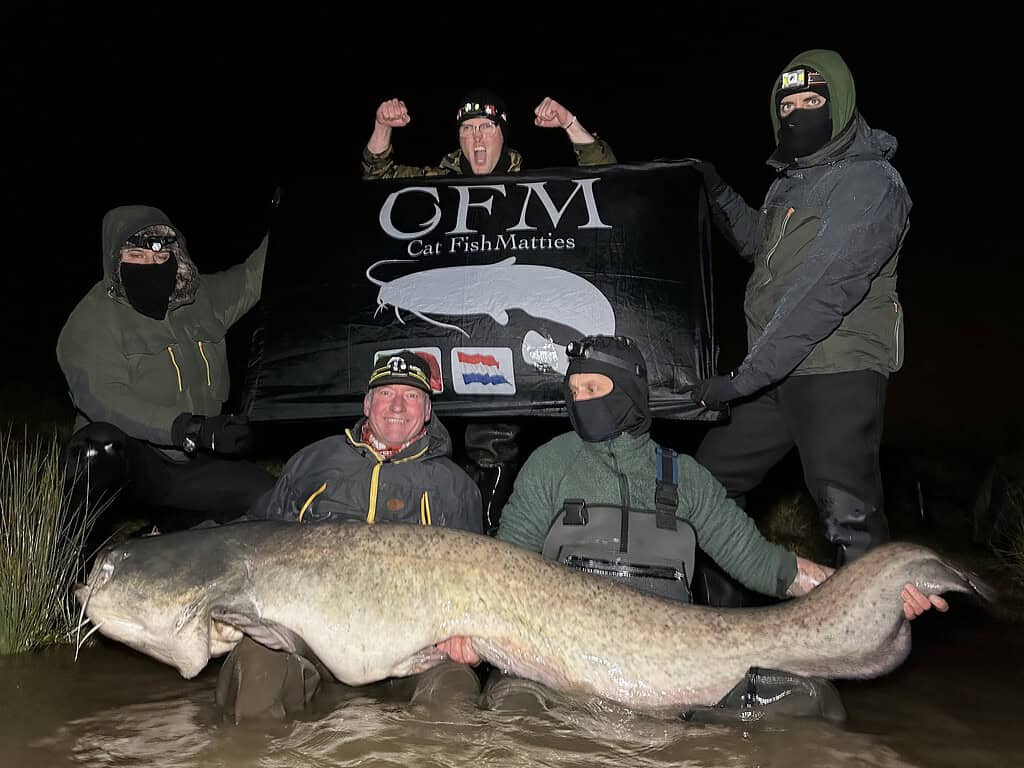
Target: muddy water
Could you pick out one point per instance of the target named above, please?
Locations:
(956, 702)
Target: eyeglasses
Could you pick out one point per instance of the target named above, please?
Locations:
(485, 129)
(154, 243)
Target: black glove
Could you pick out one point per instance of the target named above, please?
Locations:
(713, 183)
(227, 434)
(715, 392)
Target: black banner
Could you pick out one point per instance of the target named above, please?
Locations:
(487, 279)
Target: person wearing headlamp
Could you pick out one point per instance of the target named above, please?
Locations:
(483, 131)
(145, 357)
(605, 498)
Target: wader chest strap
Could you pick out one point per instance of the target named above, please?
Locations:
(666, 494)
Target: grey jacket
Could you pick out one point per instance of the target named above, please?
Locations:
(344, 478)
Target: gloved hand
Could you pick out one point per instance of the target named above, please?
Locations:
(715, 392)
(712, 181)
(228, 434)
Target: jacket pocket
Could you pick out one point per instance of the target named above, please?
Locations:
(211, 351)
(154, 367)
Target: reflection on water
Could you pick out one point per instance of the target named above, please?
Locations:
(953, 704)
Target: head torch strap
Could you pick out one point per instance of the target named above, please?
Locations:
(589, 353)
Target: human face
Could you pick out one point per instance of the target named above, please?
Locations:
(481, 141)
(396, 413)
(802, 100)
(589, 386)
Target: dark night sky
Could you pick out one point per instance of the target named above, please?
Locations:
(208, 134)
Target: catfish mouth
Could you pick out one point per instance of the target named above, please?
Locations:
(129, 628)
(121, 629)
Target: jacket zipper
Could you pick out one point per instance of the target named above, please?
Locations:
(896, 332)
(768, 258)
(311, 499)
(177, 370)
(374, 480)
(425, 518)
(209, 382)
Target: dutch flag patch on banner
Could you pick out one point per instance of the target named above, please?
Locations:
(483, 371)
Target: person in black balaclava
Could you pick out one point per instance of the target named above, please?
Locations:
(824, 322)
(805, 116)
(610, 460)
(606, 388)
(145, 359)
(149, 270)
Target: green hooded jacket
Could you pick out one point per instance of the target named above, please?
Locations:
(825, 246)
(138, 373)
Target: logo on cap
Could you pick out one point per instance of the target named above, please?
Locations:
(397, 365)
(387, 363)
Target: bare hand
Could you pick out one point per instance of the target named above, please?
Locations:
(809, 574)
(460, 650)
(550, 114)
(393, 113)
(915, 602)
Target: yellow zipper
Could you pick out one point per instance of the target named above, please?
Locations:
(209, 383)
(176, 368)
(425, 518)
(310, 500)
(374, 479)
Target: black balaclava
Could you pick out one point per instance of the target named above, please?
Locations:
(626, 407)
(148, 287)
(803, 131)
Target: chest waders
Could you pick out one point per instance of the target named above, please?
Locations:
(649, 550)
